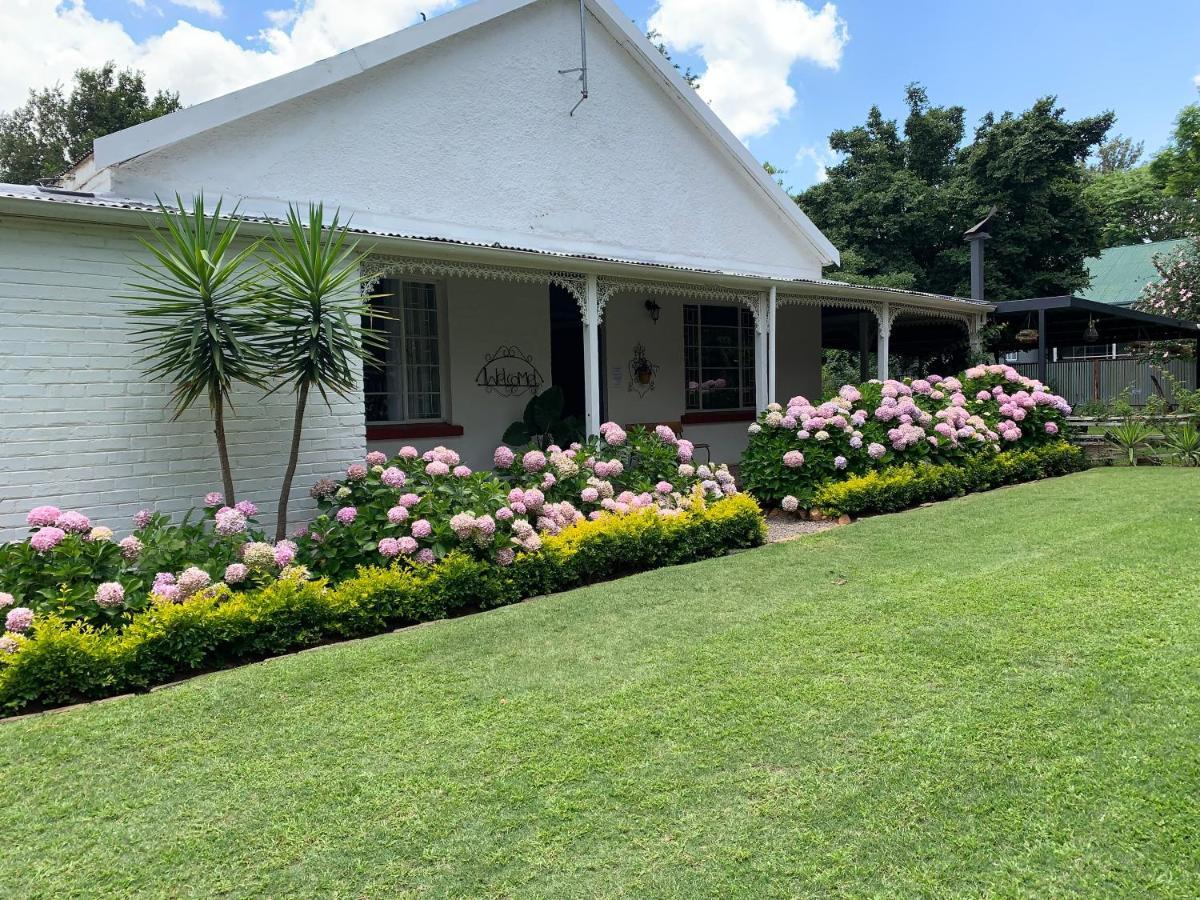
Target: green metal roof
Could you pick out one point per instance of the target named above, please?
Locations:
(1120, 273)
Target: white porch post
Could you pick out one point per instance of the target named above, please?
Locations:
(762, 376)
(883, 341)
(975, 338)
(772, 331)
(591, 355)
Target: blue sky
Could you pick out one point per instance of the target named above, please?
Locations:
(1140, 60)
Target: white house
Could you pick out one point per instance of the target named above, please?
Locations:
(626, 247)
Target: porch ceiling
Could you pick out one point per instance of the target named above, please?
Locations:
(1067, 318)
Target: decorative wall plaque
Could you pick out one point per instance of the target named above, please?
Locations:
(642, 372)
(509, 372)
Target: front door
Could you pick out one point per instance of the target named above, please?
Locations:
(566, 353)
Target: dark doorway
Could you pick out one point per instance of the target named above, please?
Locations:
(566, 349)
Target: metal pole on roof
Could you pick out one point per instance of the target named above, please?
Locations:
(583, 66)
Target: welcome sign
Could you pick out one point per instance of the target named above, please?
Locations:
(509, 372)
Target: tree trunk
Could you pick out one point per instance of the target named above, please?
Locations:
(223, 450)
(285, 492)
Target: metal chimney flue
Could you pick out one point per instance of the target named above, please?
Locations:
(975, 236)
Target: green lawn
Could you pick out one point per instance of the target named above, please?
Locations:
(994, 696)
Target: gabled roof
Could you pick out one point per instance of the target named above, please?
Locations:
(1120, 273)
(124, 145)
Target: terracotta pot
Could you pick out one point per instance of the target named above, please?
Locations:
(644, 376)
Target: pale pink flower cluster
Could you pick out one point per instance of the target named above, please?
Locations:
(443, 455)
(235, 573)
(43, 515)
(229, 521)
(346, 515)
(533, 461)
(356, 472)
(376, 458)
(73, 522)
(613, 434)
(503, 457)
(109, 594)
(393, 477)
(214, 498)
(46, 539)
(19, 620)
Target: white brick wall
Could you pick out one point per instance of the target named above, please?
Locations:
(81, 427)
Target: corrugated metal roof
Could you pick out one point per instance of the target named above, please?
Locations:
(83, 199)
(1120, 273)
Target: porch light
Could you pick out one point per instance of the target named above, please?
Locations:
(1091, 334)
(654, 309)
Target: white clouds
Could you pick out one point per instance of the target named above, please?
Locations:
(821, 158)
(1197, 80)
(44, 41)
(209, 7)
(749, 48)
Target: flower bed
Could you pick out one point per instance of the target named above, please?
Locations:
(64, 662)
(418, 513)
(794, 451)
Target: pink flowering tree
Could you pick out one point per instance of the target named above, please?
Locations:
(315, 310)
(199, 304)
(1176, 293)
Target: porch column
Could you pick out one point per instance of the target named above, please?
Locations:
(762, 375)
(1041, 357)
(864, 346)
(975, 338)
(883, 342)
(772, 330)
(591, 355)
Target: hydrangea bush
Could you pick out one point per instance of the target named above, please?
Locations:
(794, 450)
(409, 511)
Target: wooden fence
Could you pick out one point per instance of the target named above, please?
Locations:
(1084, 380)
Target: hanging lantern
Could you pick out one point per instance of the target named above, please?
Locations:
(1027, 336)
(1091, 334)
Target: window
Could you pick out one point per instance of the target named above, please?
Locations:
(403, 381)
(718, 357)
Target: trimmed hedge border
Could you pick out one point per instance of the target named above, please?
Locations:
(902, 487)
(65, 663)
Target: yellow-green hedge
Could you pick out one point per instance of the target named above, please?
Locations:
(902, 487)
(67, 662)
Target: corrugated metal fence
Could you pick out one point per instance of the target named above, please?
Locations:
(1084, 380)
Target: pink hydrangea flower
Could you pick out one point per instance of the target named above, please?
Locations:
(665, 434)
(73, 522)
(790, 503)
(793, 459)
(408, 546)
(589, 495)
(229, 521)
(533, 461)
(18, 620)
(839, 462)
(393, 477)
(142, 518)
(376, 458)
(437, 468)
(285, 554)
(875, 450)
(421, 528)
(356, 471)
(9, 644)
(397, 514)
(109, 594)
(6, 599)
(534, 499)
(664, 487)
(409, 500)
(461, 471)
(504, 514)
(389, 547)
(131, 547)
(347, 514)
(425, 557)
(46, 539)
(246, 508)
(505, 556)
(43, 515)
(235, 573)
(191, 581)
(214, 498)
(684, 450)
(408, 453)
(503, 457)
(1051, 428)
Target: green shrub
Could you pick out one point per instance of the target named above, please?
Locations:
(64, 662)
(902, 487)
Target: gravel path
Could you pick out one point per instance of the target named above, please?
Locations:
(788, 529)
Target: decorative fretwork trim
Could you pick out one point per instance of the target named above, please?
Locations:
(609, 287)
(377, 266)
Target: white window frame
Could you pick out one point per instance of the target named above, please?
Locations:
(745, 341)
(397, 370)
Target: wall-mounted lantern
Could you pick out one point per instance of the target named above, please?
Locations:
(654, 309)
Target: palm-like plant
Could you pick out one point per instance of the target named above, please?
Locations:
(1131, 436)
(1183, 444)
(200, 304)
(315, 336)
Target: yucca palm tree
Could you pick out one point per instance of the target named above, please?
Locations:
(315, 310)
(199, 302)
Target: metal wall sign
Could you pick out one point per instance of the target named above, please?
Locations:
(509, 372)
(642, 372)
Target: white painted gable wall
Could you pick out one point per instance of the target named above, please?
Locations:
(471, 138)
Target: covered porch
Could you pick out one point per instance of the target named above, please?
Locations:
(472, 340)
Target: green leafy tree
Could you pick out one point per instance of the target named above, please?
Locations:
(1177, 167)
(1176, 292)
(315, 309)
(1118, 154)
(898, 202)
(52, 129)
(200, 308)
(1133, 208)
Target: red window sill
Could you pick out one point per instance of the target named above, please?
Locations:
(415, 430)
(714, 416)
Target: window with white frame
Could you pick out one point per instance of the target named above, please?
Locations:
(403, 381)
(718, 357)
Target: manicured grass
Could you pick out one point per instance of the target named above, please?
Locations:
(994, 696)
